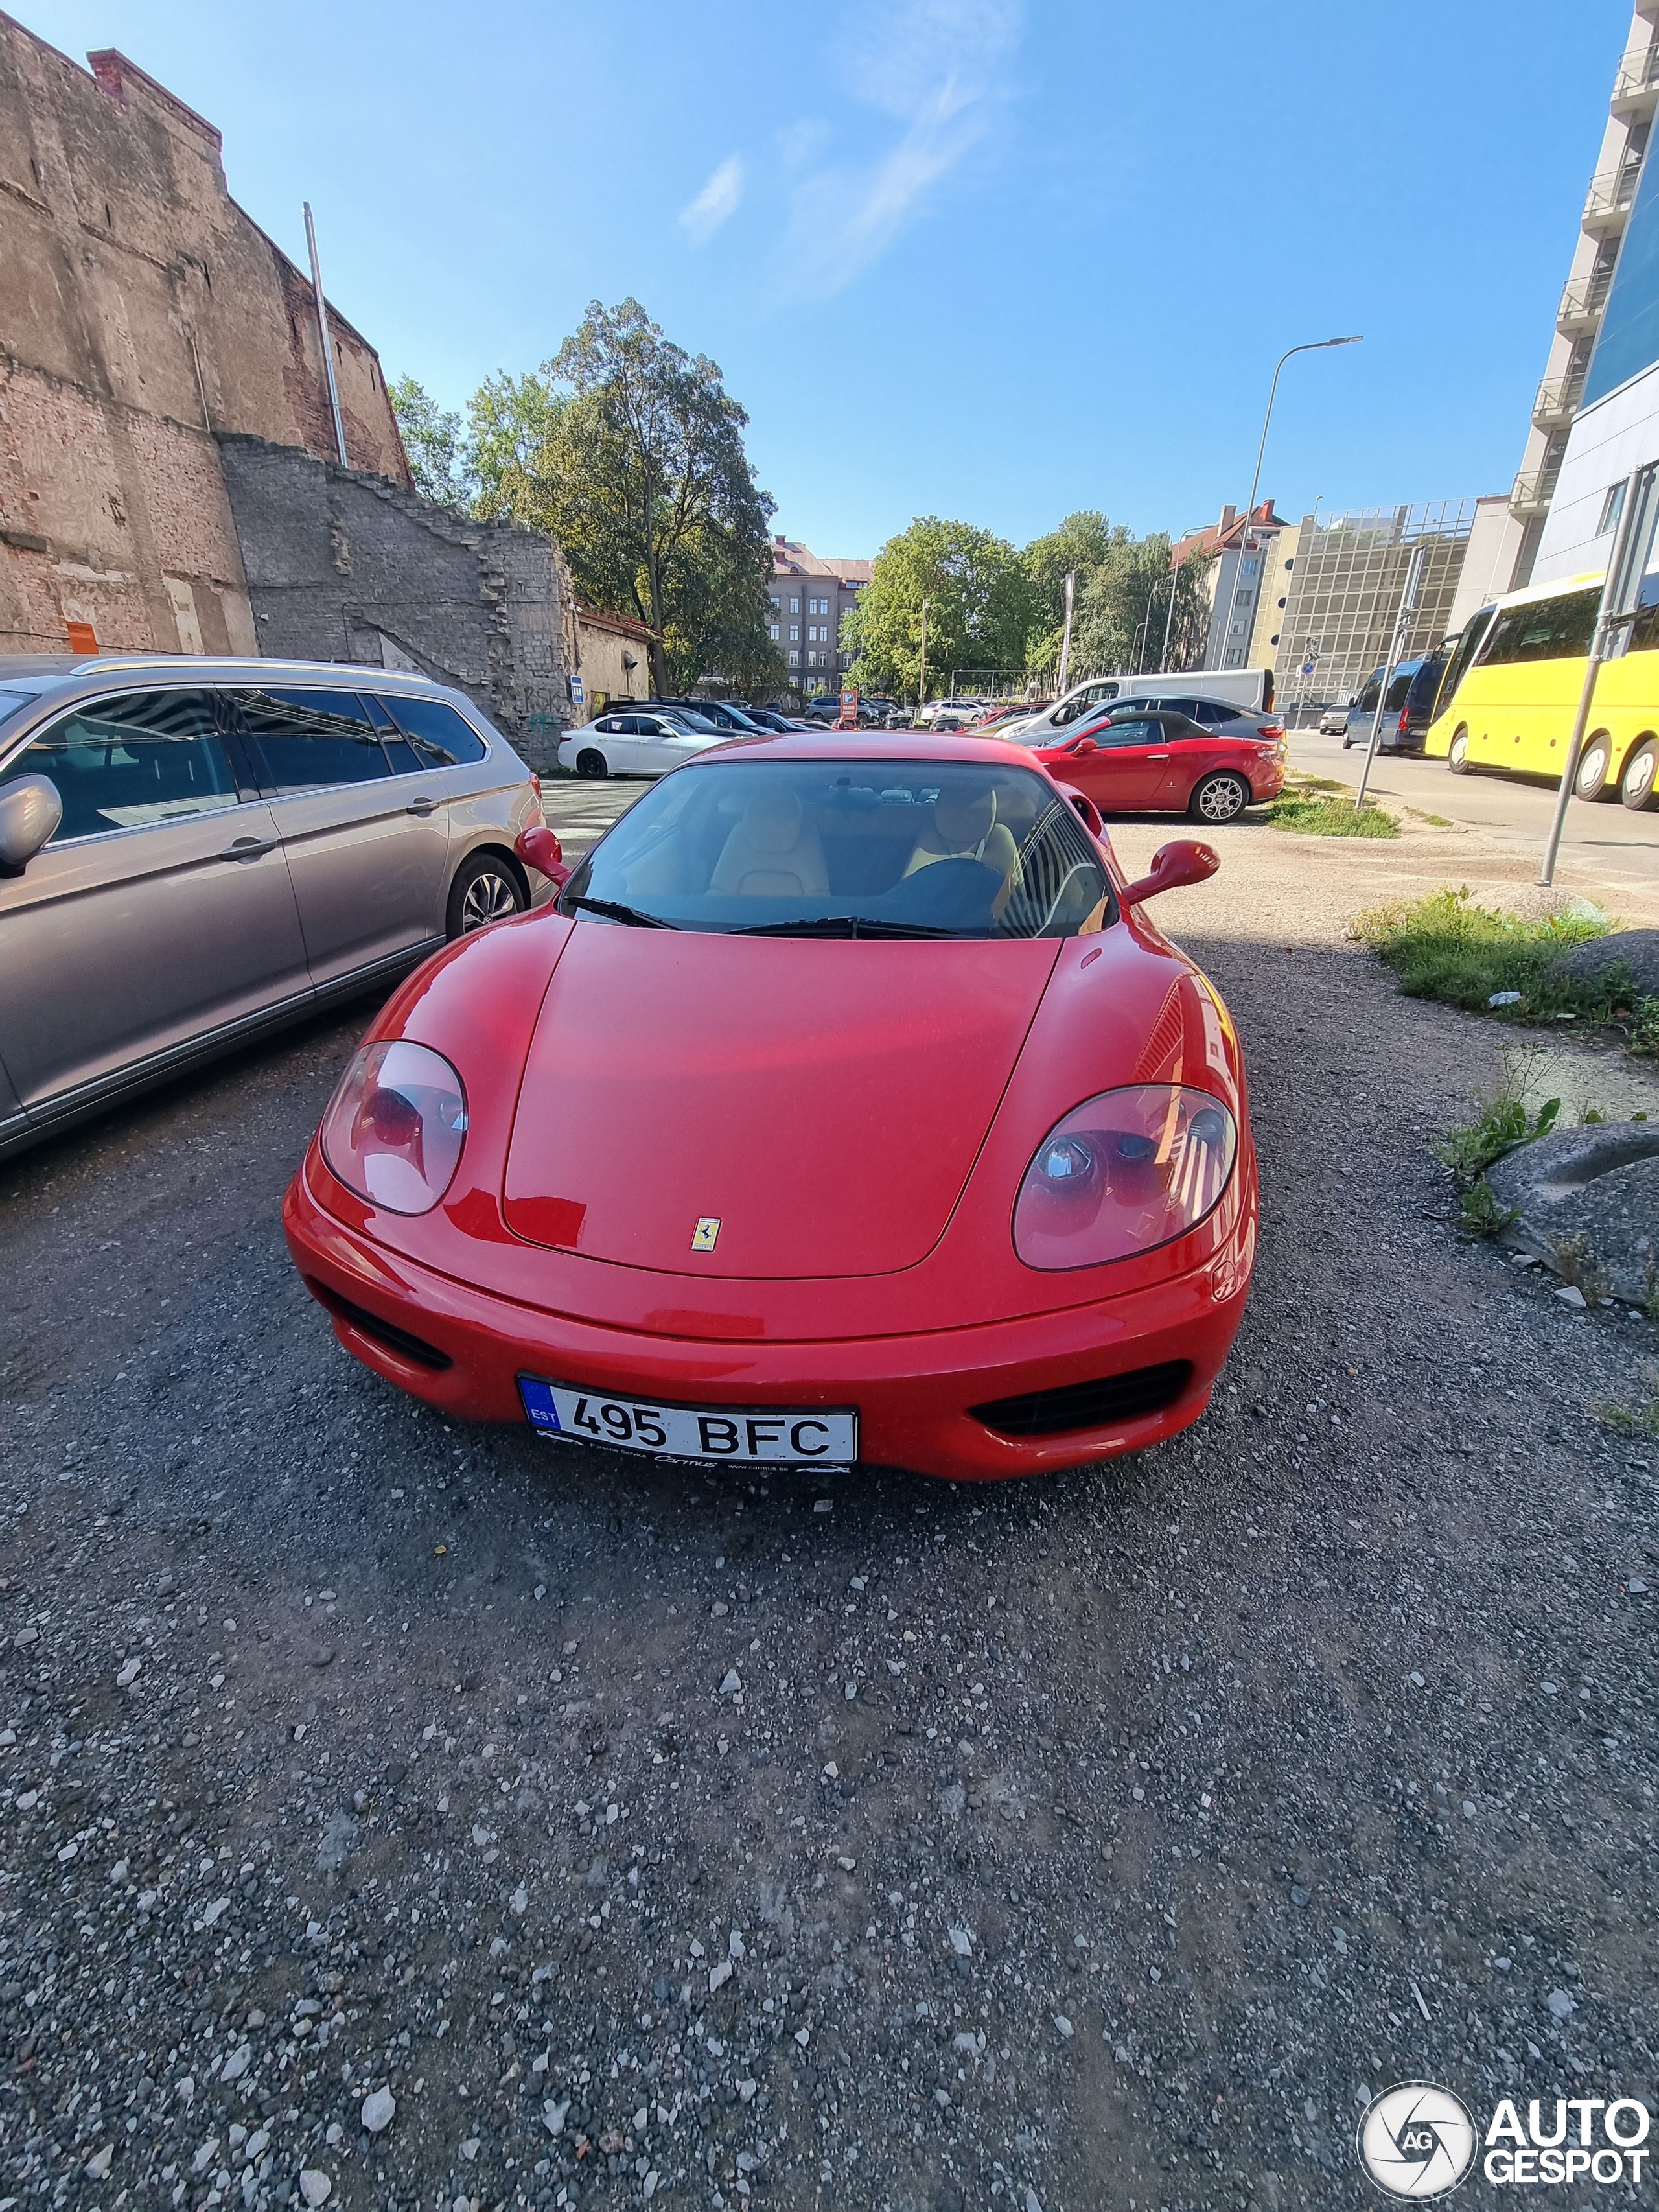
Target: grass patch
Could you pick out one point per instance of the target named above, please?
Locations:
(1316, 817)
(1641, 1419)
(1434, 820)
(1446, 947)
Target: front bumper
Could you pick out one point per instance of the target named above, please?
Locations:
(914, 1394)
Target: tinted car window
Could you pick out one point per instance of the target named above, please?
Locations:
(1399, 690)
(1127, 732)
(125, 762)
(1548, 629)
(441, 738)
(306, 739)
(1214, 712)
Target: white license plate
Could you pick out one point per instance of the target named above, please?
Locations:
(806, 1437)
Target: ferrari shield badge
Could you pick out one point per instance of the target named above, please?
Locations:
(703, 1235)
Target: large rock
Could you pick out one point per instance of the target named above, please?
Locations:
(1588, 1200)
(1636, 951)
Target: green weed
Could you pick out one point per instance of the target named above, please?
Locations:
(1644, 1027)
(1478, 1213)
(1504, 1124)
(1445, 947)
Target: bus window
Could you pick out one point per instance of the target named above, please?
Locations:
(1544, 630)
(1462, 650)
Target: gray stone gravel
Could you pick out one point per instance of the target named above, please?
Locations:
(1063, 1845)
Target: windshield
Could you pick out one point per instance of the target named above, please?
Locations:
(849, 848)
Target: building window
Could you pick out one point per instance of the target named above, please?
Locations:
(794, 606)
(794, 660)
(1249, 566)
(771, 629)
(794, 633)
(1612, 507)
(776, 606)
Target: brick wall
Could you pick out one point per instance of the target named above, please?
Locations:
(141, 312)
(345, 566)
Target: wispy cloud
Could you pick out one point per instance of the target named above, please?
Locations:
(932, 64)
(717, 201)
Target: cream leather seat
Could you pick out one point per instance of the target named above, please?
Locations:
(964, 827)
(772, 853)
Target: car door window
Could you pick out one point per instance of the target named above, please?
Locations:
(306, 739)
(138, 757)
(1115, 736)
(438, 736)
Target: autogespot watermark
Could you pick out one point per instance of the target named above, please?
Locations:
(1418, 2140)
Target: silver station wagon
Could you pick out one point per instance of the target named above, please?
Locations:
(193, 850)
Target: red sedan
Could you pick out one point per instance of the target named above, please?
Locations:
(843, 1107)
(1161, 763)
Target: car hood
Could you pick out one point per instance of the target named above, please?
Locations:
(821, 1101)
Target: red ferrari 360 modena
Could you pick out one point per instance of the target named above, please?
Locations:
(844, 1106)
(1158, 761)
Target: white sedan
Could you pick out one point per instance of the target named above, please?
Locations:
(633, 745)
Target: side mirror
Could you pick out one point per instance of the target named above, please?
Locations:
(1082, 745)
(1185, 861)
(30, 811)
(538, 848)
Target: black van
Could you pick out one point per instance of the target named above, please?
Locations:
(1407, 711)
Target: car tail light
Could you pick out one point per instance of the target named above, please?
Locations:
(1125, 1172)
(1405, 722)
(1271, 729)
(394, 1129)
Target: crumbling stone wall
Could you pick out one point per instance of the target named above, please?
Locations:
(141, 313)
(345, 566)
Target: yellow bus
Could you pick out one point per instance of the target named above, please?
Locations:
(1511, 689)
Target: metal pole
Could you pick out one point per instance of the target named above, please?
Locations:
(1615, 588)
(1316, 345)
(921, 688)
(1065, 642)
(1168, 617)
(322, 332)
(1407, 608)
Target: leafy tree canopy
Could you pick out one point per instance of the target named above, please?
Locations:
(432, 440)
(1121, 608)
(1082, 542)
(979, 606)
(630, 452)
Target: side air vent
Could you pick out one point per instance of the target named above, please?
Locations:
(1088, 1405)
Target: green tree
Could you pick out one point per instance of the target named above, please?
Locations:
(432, 440)
(509, 421)
(979, 606)
(1082, 542)
(643, 479)
(1120, 612)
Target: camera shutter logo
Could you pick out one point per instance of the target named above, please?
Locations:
(1417, 2141)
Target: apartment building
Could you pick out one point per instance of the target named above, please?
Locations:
(1241, 552)
(1604, 250)
(811, 598)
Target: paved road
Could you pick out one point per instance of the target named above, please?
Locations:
(1516, 812)
(1103, 1840)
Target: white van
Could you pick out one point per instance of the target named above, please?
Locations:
(1251, 688)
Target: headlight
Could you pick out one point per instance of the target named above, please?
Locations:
(394, 1129)
(1123, 1172)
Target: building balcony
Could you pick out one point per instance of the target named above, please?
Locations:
(1607, 206)
(1557, 400)
(1531, 492)
(1636, 87)
(1581, 302)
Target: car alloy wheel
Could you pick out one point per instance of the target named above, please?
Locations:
(590, 762)
(1219, 799)
(1638, 787)
(485, 890)
(1457, 759)
(1593, 778)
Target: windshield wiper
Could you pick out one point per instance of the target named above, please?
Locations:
(613, 910)
(841, 925)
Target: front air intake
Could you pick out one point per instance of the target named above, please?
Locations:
(1078, 1406)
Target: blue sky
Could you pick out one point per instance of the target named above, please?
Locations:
(994, 259)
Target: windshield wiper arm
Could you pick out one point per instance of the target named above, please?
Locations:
(613, 910)
(843, 925)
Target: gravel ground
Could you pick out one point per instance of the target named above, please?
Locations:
(398, 1815)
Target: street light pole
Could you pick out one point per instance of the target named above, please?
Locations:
(1065, 642)
(1414, 569)
(1314, 345)
(321, 305)
(921, 687)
